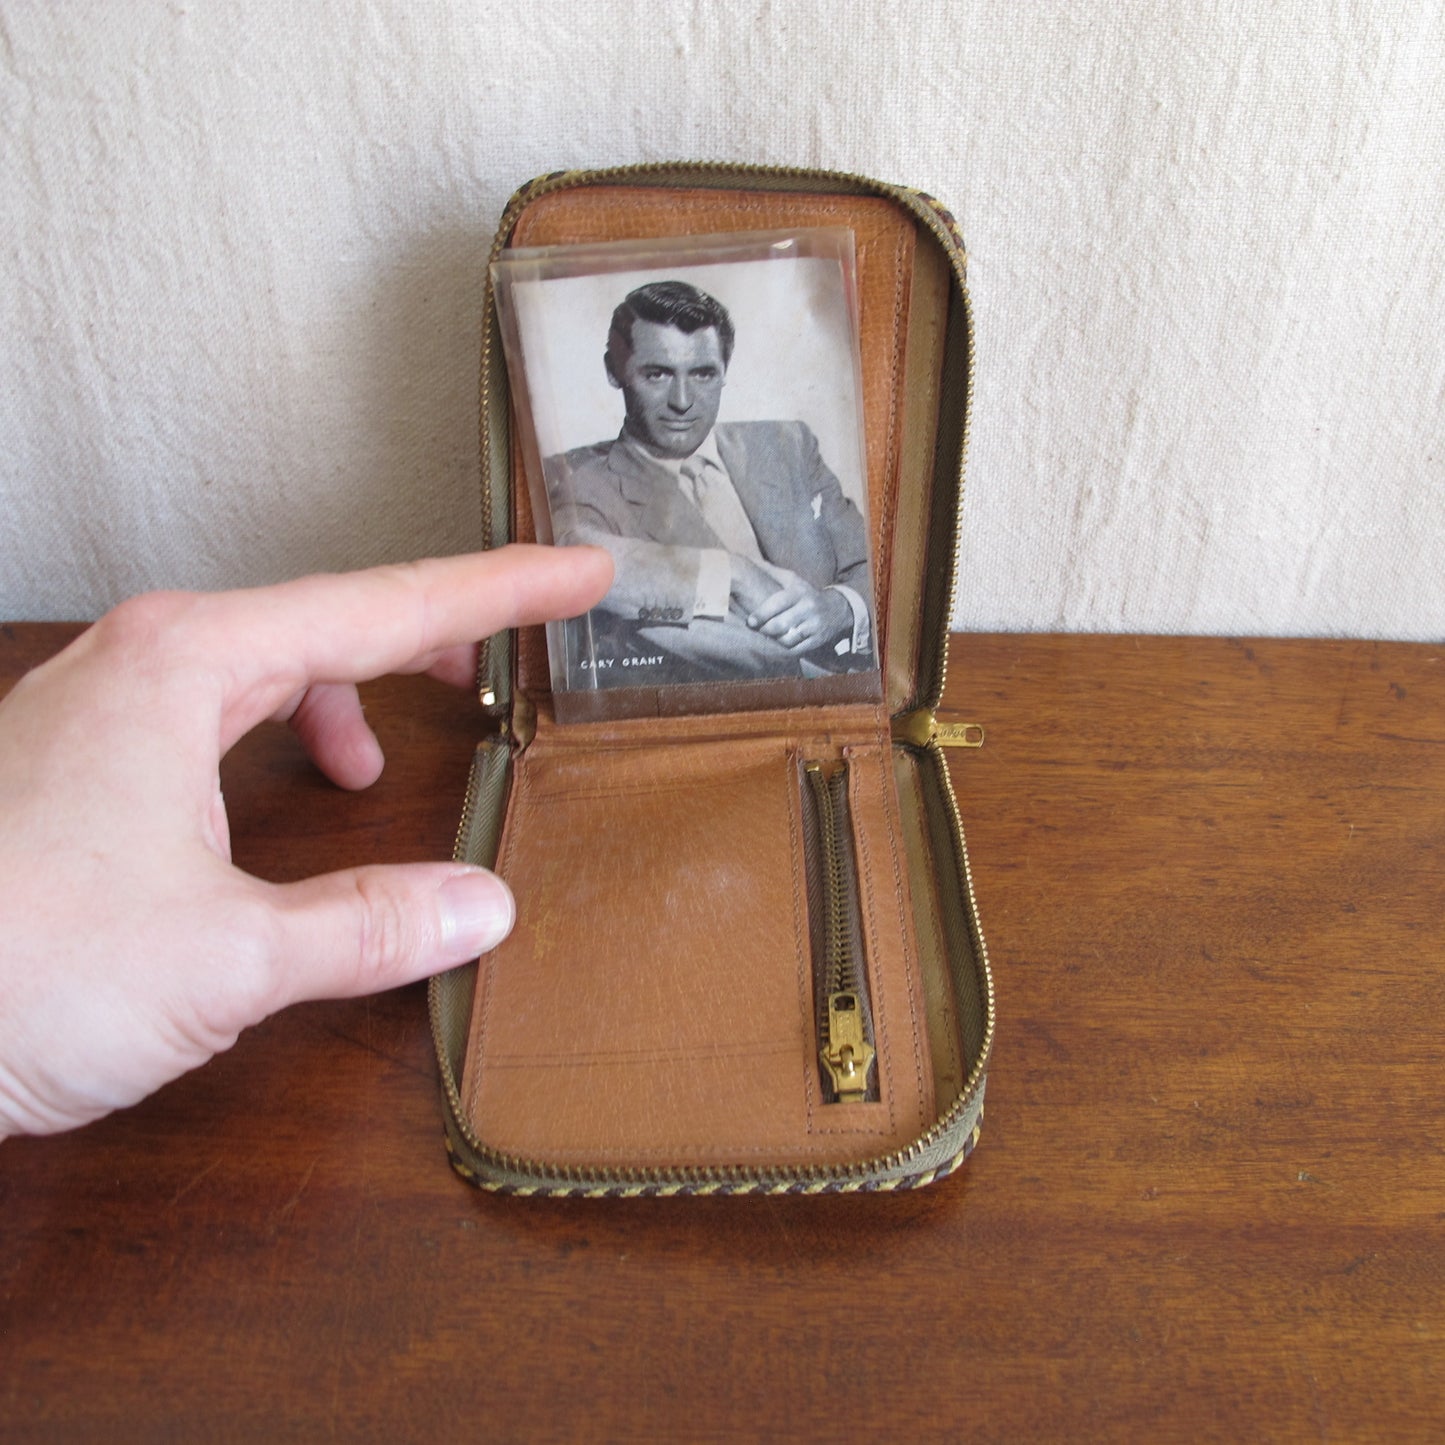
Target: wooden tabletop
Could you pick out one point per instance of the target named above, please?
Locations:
(1209, 1200)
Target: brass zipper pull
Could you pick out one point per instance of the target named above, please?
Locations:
(920, 727)
(958, 735)
(848, 1055)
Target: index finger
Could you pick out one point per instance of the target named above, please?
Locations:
(274, 641)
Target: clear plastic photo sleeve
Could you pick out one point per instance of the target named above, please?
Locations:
(695, 407)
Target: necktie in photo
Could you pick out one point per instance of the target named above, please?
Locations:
(715, 499)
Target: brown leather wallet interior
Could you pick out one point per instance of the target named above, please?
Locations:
(657, 1004)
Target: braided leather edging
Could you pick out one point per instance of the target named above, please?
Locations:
(729, 1188)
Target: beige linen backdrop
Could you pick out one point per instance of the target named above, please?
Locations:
(241, 252)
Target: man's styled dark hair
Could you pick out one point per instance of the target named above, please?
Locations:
(667, 303)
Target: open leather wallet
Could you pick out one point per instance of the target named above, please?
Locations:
(748, 957)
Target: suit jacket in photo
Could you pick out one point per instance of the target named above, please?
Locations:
(614, 495)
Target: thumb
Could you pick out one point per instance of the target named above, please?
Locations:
(367, 929)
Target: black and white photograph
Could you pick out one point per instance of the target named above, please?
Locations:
(694, 407)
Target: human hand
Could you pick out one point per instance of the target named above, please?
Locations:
(753, 583)
(801, 617)
(132, 949)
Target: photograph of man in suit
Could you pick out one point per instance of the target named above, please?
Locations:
(737, 554)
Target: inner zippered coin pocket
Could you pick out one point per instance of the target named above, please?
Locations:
(747, 956)
(840, 974)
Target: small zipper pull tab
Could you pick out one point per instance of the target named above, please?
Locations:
(958, 735)
(848, 1056)
(920, 727)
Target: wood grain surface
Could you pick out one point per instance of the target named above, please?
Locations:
(1207, 1203)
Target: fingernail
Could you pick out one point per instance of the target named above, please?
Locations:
(477, 913)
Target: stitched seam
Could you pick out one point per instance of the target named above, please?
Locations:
(955, 1053)
(864, 863)
(802, 944)
(661, 790)
(783, 1153)
(883, 585)
(910, 968)
(623, 1058)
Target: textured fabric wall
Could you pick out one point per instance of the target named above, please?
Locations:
(241, 248)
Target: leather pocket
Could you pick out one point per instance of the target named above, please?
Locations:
(841, 1008)
(655, 1003)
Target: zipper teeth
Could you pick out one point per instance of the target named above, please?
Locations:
(460, 854)
(488, 364)
(469, 807)
(840, 1002)
(484, 648)
(845, 974)
(985, 968)
(840, 971)
(936, 220)
(936, 696)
